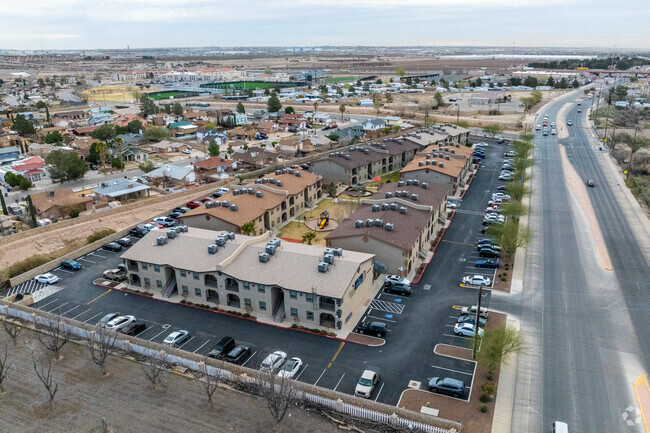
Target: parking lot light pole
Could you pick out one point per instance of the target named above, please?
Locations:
(476, 324)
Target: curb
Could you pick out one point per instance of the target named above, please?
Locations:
(502, 419)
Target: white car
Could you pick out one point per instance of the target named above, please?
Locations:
(291, 368)
(396, 279)
(452, 205)
(119, 322)
(476, 280)
(273, 361)
(186, 151)
(46, 278)
(176, 338)
(366, 384)
(467, 329)
(223, 190)
(505, 176)
(500, 195)
(465, 311)
(553, 131)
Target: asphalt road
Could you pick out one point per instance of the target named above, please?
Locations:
(587, 326)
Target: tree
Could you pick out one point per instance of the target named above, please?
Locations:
(400, 71)
(13, 329)
(498, 344)
(4, 365)
(167, 108)
(386, 130)
(41, 105)
(155, 133)
(267, 92)
(22, 126)
(213, 149)
(55, 335)
(331, 190)
(240, 108)
(279, 392)
(517, 190)
(308, 237)
(289, 110)
(315, 109)
(65, 165)
(514, 209)
(342, 110)
(563, 83)
(230, 150)
(248, 228)
(273, 105)
(43, 370)
(439, 100)
(635, 144)
(528, 103)
(136, 94)
(210, 382)
(153, 367)
(550, 82)
(267, 70)
(106, 132)
(514, 237)
(101, 344)
(117, 163)
(177, 109)
(492, 129)
(531, 82)
(389, 98)
(31, 210)
(379, 81)
(134, 127)
(575, 84)
(147, 166)
(408, 81)
(54, 137)
(147, 106)
(4, 204)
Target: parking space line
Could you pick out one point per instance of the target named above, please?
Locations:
(391, 307)
(339, 382)
(142, 332)
(249, 358)
(382, 318)
(164, 330)
(382, 387)
(43, 306)
(303, 370)
(190, 339)
(81, 313)
(459, 336)
(88, 320)
(199, 348)
(73, 308)
(93, 300)
(455, 371)
(58, 306)
(86, 260)
(98, 255)
(62, 270)
(321, 375)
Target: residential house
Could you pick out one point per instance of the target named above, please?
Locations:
(70, 115)
(446, 165)
(121, 190)
(211, 135)
(41, 133)
(255, 158)
(168, 146)
(269, 203)
(235, 119)
(32, 169)
(373, 124)
(177, 176)
(182, 129)
(42, 150)
(292, 121)
(99, 119)
(82, 146)
(129, 152)
(9, 154)
(84, 131)
(214, 166)
(162, 119)
(347, 135)
(193, 116)
(123, 120)
(240, 133)
(58, 203)
(360, 164)
(398, 224)
(253, 275)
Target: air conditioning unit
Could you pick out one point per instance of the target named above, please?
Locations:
(416, 182)
(379, 222)
(421, 163)
(216, 204)
(235, 192)
(279, 183)
(441, 164)
(425, 185)
(230, 235)
(393, 206)
(389, 194)
(171, 234)
(270, 249)
(225, 203)
(184, 228)
(447, 157)
(272, 180)
(389, 227)
(370, 222)
(338, 252)
(414, 197)
(409, 182)
(263, 257)
(328, 258)
(208, 205)
(275, 242)
(400, 183)
(234, 207)
(375, 208)
(212, 249)
(161, 240)
(251, 190)
(221, 241)
(322, 267)
(384, 206)
(259, 194)
(358, 224)
(402, 209)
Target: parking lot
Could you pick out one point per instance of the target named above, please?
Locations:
(416, 324)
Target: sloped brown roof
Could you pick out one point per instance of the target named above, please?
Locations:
(62, 197)
(213, 162)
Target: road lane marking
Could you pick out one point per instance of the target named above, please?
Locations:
(382, 387)
(249, 358)
(62, 270)
(455, 371)
(382, 318)
(336, 354)
(321, 375)
(199, 348)
(81, 313)
(143, 331)
(90, 302)
(98, 255)
(339, 382)
(86, 260)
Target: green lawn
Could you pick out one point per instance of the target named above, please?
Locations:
(392, 178)
(166, 95)
(335, 80)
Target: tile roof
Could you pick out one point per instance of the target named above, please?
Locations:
(43, 201)
(213, 162)
(452, 166)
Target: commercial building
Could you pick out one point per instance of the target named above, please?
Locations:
(255, 275)
(269, 203)
(440, 164)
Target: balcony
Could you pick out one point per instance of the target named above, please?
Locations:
(327, 305)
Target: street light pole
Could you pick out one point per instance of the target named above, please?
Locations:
(476, 325)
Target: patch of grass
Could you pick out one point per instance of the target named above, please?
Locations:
(640, 188)
(100, 234)
(166, 95)
(391, 177)
(335, 80)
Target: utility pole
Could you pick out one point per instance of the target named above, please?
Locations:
(476, 325)
(457, 113)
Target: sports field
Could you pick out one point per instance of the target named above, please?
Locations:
(109, 94)
(172, 93)
(335, 80)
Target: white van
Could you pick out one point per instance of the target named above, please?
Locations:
(560, 427)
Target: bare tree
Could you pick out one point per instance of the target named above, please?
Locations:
(43, 369)
(101, 344)
(210, 383)
(13, 329)
(153, 366)
(4, 366)
(278, 391)
(55, 336)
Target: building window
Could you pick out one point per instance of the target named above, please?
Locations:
(144, 265)
(350, 316)
(293, 294)
(159, 284)
(147, 281)
(196, 275)
(261, 288)
(156, 268)
(310, 315)
(262, 305)
(247, 285)
(197, 291)
(247, 302)
(185, 290)
(309, 297)
(294, 312)
(183, 273)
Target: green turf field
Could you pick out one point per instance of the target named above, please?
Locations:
(335, 80)
(166, 95)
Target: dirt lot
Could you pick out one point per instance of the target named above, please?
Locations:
(126, 400)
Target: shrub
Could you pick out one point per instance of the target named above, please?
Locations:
(483, 407)
(489, 375)
(246, 315)
(485, 398)
(488, 388)
(25, 265)
(74, 213)
(294, 326)
(101, 234)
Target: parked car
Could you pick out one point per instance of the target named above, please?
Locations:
(179, 210)
(505, 177)
(112, 246)
(125, 242)
(448, 386)
(488, 252)
(291, 368)
(165, 221)
(71, 265)
(501, 188)
(223, 190)
(116, 274)
(553, 131)
(397, 288)
(472, 311)
(376, 328)
(366, 384)
(176, 338)
(175, 215)
(325, 128)
(489, 244)
(591, 183)
(193, 204)
(476, 280)
(510, 153)
(273, 361)
(397, 279)
(487, 263)
(134, 328)
(119, 322)
(467, 329)
(334, 126)
(46, 278)
(186, 151)
(225, 345)
(452, 205)
(206, 199)
(138, 232)
(107, 318)
(238, 355)
(472, 319)
(500, 195)
(501, 140)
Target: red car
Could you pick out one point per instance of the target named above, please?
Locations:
(204, 199)
(334, 126)
(193, 204)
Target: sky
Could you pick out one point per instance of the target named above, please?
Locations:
(97, 24)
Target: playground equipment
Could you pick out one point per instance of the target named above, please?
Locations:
(324, 219)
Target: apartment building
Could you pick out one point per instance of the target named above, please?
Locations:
(440, 164)
(254, 275)
(269, 203)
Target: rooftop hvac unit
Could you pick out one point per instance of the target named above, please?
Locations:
(434, 162)
(332, 155)
(454, 126)
(216, 204)
(375, 208)
(393, 206)
(425, 185)
(384, 206)
(398, 193)
(446, 149)
(383, 146)
(322, 267)
(416, 182)
(358, 224)
(290, 170)
(184, 228)
(328, 258)
(457, 145)
(402, 209)
(212, 249)
(421, 163)
(428, 163)
(366, 151)
(265, 180)
(370, 222)
(328, 251)
(389, 194)
(389, 227)
(270, 249)
(176, 229)
(259, 194)
(161, 240)
(208, 205)
(297, 173)
(225, 203)
(272, 180)
(418, 136)
(441, 164)
(231, 235)
(278, 172)
(379, 222)
(258, 181)
(447, 157)
(347, 156)
(414, 197)
(251, 190)
(428, 156)
(275, 242)
(338, 252)
(400, 183)
(235, 192)
(234, 207)
(452, 151)
(264, 257)
(279, 183)
(221, 241)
